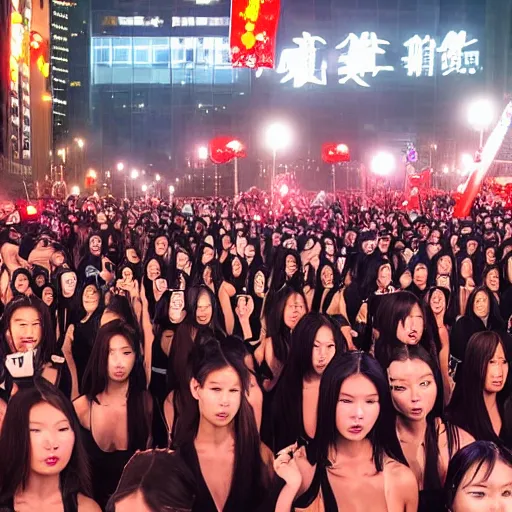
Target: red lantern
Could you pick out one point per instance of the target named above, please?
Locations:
(253, 33)
(225, 149)
(334, 153)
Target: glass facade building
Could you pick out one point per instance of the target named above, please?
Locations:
(368, 73)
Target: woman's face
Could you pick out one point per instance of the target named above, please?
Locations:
(21, 283)
(324, 349)
(220, 397)
(127, 274)
(290, 266)
(259, 284)
(327, 277)
(153, 270)
(182, 260)
(481, 306)
(438, 302)
(405, 280)
(329, 247)
(40, 280)
(68, 282)
(444, 266)
(492, 280)
(413, 388)
(132, 256)
(207, 276)
(471, 247)
(226, 242)
(95, 245)
(410, 330)
(384, 276)
(249, 253)
(51, 440)
(204, 309)
(47, 296)
(490, 256)
(420, 276)
(207, 256)
(477, 493)
(443, 282)
(358, 407)
(497, 371)
(161, 245)
(294, 310)
(236, 267)
(25, 330)
(176, 306)
(91, 298)
(121, 359)
(466, 268)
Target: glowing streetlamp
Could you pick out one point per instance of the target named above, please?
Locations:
(383, 163)
(158, 177)
(80, 143)
(120, 166)
(75, 191)
(480, 116)
(278, 137)
(144, 188)
(135, 174)
(466, 160)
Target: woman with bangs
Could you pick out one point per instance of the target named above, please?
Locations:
(427, 439)
(480, 479)
(115, 409)
(223, 449)
(481, 400)
(355, 461)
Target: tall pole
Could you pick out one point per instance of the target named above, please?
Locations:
(333, 168)
(236, 177)
(273, 175)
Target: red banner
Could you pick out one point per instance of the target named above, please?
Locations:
(225, 149)
(253, 33)
(415, 185)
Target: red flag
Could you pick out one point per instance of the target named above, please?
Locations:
(225, 149)
(333, 153)
(253, 33)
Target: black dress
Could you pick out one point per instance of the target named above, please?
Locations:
(106, 467)
(70, 504)
(83, 341)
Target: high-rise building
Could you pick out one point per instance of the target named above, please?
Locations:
(369, 73)
(26, 101)
(60, 63)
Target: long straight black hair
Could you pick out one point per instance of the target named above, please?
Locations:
(250, 477)
(15, 443)
(431, 479)
(95, 381)
(383, 434)
(287, 405)
(467, 408)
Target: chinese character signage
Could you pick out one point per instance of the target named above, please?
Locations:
(361, 57)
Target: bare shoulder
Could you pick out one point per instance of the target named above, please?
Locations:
(82, 406)
(86, 504)
(465, 438)
(401, 478)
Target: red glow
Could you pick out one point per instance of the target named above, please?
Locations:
(334, 153)
(225, 149)
(31, 210)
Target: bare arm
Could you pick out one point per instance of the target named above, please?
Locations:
(67, 350)
(225, 294)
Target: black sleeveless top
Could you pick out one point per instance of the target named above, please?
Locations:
(106, 467)
(70, 504)
(83, 341)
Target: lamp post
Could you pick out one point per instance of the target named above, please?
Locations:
(202, 153)
(134, 175)
(120, 168)
(480, 116)
(278, 137)
(171, 192)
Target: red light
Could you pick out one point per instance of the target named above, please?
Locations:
(257, 218)
(284, 190)
(31, 210)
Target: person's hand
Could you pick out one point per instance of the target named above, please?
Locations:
(285, 465)
(107, 270)
(244, 307)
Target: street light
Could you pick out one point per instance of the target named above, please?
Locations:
(144, 188)
(75, 191)
(202, 152)
(120, 166)
(278, 137)
(480, 116)
(80, 143)
(383, 163)
(135, 174)
(157, 177)
(466, 160)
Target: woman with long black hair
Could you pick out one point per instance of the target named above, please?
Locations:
(223, 449)
(428, 440)
(480, 403)
(314, 342)
(44, 464)
(355, 461)
(115, 409)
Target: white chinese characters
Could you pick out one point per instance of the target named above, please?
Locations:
(421, 54)
(361, 57)
(455, 58)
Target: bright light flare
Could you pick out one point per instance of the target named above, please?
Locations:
(383, 164)
(446, 169)
(80, 143)
(120, 166)
(278, 136)
(144, 188)
(92, 174)
(202, 152)
(283, 190)
(466, 160)
(158, 177)
(31, 210)
(481, 113)
(171, 189)
(75, 191)
(235, 145)
(342, 148)
(135, 174)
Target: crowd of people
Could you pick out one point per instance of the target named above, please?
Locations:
(211, 355)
